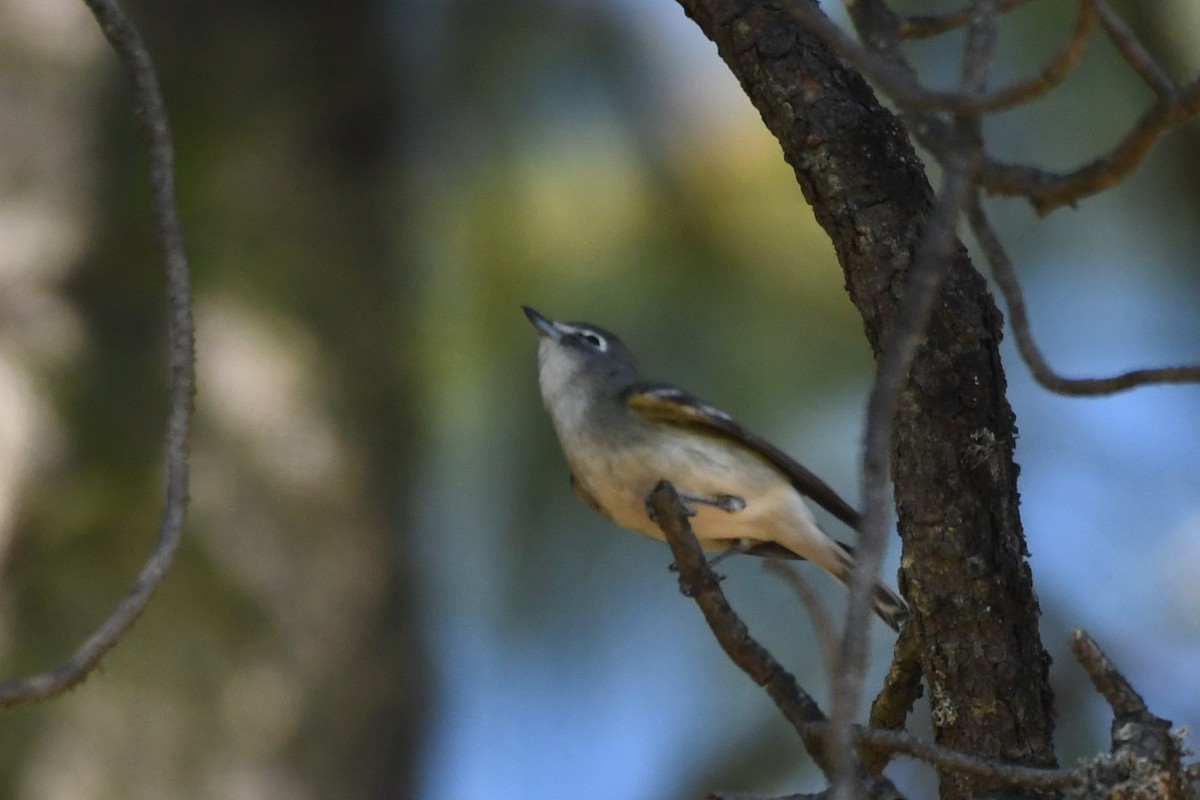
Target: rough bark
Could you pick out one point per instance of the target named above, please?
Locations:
(963, 564)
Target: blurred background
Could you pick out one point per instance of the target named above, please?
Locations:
(387, 588)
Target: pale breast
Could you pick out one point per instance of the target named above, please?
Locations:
(620, 479)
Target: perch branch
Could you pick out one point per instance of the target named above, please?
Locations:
(699, 582)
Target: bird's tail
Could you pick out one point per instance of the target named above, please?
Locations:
(887, 605)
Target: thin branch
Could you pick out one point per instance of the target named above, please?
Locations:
(928, 26)
(1144, 750)
(963, 764)
(877, 26)
(1139, 59)
(901, 688)
(1109, 682)
(1043, 373)
(699, 582)
(1048, 191)
(823, 625)
(979, 47)
(902, 87)
(125, 40)
(884, 63)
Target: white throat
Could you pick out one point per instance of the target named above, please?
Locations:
(559, 373)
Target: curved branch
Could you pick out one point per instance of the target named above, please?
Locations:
(1049, 190)
(885, 64)
(1043, 373)
(125, 40)
(911, 95)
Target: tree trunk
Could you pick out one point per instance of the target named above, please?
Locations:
(963, 565)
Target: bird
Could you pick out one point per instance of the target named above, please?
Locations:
(622, 434)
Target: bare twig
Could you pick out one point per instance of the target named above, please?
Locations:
(128, 44)
(902, 87)
(927, 26)
(884, 62)
(1006, 279)
(1144, 751)
(963, 764)
(1048, 191)
(823, 626)
(1140, 60)
(1109, 682)
(980, 45)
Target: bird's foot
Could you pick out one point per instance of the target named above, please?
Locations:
(650, 512)
(736, 549)
(729, 503)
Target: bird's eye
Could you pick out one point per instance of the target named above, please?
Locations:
(594, 339)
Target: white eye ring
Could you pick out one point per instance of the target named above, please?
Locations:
(595, 340)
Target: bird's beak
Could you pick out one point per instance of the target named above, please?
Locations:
(546, 327)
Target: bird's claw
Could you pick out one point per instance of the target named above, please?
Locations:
(653, 515)
(729, 503)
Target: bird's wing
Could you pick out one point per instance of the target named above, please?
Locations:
(668, 404)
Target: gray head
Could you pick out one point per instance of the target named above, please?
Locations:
(580, 361)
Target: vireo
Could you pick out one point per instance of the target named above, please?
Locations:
(621, 435)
